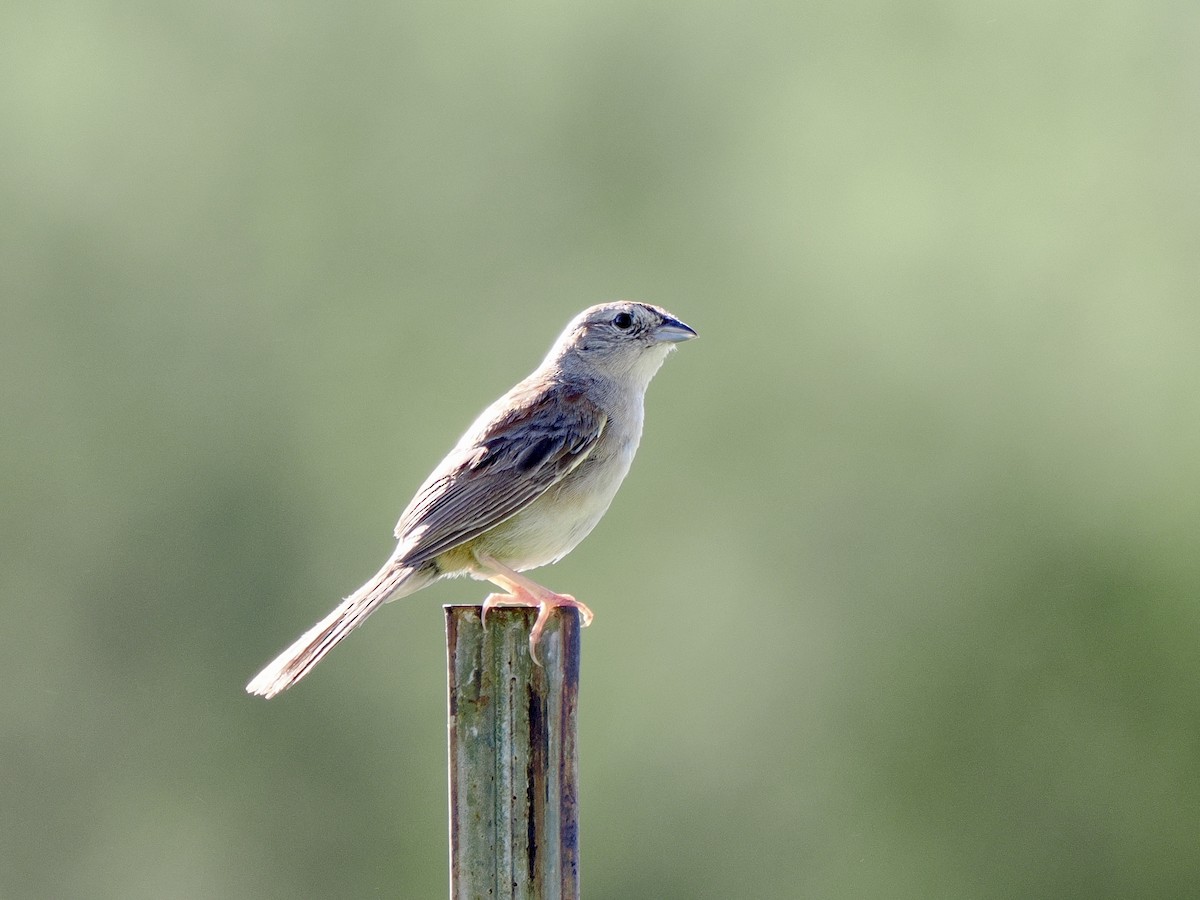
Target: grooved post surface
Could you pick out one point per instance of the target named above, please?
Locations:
(513, 760)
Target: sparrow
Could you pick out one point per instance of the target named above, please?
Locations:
(523, 486)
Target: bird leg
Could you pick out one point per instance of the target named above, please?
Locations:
(523, 591)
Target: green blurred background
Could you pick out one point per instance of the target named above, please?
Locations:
(900, 598)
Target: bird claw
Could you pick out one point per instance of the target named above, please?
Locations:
(491, 601)
(545, 605)
(554, 601)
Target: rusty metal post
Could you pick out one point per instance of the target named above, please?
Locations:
(513, 761)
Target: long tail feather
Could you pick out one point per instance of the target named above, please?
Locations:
(297, 660)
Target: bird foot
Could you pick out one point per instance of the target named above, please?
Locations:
(545, 603)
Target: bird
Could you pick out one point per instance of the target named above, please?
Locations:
(527, 481)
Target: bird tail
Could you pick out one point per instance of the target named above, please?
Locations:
(310, 648)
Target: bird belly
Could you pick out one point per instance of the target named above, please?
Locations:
(553, 525)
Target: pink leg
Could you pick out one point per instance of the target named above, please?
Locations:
(523, 591)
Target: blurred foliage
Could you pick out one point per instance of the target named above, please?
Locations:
(900, 599)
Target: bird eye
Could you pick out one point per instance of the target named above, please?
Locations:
(623, 321)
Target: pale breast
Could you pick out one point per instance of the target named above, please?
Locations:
(551, 527)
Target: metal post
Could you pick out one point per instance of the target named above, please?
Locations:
(513, 760)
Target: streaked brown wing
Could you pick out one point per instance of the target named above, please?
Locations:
(546, 434)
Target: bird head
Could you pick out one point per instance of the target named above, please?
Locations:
(624, 339)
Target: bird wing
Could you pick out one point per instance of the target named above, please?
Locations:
(542, 435)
